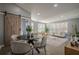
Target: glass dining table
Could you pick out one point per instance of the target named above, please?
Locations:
(32, 41)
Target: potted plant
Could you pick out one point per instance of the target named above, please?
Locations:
(29, 30)
(46, 30)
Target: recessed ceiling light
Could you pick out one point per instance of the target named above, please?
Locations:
(61, 16)
(55, 5)
(38, 14)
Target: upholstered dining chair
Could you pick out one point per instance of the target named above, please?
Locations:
(14, 37)
(20, 48)
(41, 44)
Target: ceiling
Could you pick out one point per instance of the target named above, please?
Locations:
(47, 12)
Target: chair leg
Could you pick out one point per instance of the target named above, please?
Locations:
(32, 51)
(45, 50)
(37, 50)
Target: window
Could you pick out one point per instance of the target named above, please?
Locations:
(24, 24)
(32, 25)
(56, 28)
(41, 27)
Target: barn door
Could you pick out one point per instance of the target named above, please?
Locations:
(12, 26)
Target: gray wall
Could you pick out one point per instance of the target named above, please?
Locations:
(11, 8)
(1, 7)
(72, 23)
(1, 29)
(1, 24)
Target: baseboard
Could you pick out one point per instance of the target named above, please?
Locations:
(1, 46)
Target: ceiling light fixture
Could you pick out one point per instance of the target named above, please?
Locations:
(61, 16)
(55, 5)
(38, 14)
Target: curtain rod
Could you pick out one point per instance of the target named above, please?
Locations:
(5, 12)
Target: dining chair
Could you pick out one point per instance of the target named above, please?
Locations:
(20, 48)
(14, 37)
(42, 44)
